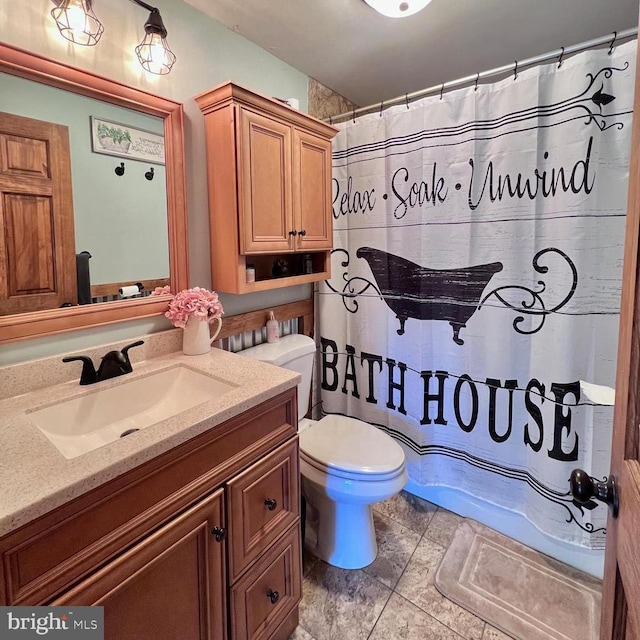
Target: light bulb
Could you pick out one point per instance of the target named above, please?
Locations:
(157, 54)
(76, 17)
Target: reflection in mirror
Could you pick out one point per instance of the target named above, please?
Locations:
(81, 244)
(119, 217)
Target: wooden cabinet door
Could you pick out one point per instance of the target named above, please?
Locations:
(37, 245)
(170, 586)
(312, 192)
(266, 214)
(620, 618)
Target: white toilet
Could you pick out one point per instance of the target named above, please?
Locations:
(345, 465)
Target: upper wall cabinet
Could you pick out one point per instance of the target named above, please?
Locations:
(269, 171)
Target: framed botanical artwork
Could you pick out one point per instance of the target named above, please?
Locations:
(124, 141)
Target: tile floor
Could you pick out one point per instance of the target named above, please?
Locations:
(394, 597)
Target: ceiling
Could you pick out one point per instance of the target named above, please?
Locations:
(367, 58)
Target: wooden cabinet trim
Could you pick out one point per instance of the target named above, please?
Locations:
(229, 92)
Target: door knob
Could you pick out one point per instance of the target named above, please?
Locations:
(271, 503)
(273, 596)
(302, 232)
(293, 232)
(583, 487)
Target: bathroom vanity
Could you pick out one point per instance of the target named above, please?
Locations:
(189, 528)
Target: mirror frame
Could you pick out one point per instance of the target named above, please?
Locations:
(36, 324)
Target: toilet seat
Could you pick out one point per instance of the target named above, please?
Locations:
(351, 449)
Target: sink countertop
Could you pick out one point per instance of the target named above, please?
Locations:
(35, 477)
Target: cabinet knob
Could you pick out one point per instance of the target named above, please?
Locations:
(302, 232)
(293, 232)
(271, 503)
(219, 533)
(273, 596)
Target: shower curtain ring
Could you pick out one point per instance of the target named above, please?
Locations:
(441, 90)
(615, 35)
(354, 116)
(560, 59)
(406, 99)
(477, 78)
(515, 71)
(381, 107)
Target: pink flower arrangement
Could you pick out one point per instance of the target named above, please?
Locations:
(161, 291)
(196, 302)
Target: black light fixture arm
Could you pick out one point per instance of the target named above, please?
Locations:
(148, 7)
(154, 23)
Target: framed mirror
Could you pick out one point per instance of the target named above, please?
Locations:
(53, 215)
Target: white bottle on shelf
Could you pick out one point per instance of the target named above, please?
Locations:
(273, 331)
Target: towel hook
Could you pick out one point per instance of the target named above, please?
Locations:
(441, 90)
(406, 99)
(120, 170)
(560, 59)
(615, 35)
(149, 174)
(477, 78)
(381, 107)
(515, 71)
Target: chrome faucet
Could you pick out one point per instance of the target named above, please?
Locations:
(114, 363)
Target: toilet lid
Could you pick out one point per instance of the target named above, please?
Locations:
(350, 445)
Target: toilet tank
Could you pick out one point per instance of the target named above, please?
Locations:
(294, 352)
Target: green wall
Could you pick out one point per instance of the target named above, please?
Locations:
(207, 54)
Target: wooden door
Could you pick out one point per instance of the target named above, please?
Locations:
(266, 216)
(170, 586)
(312, 192)
(621, 595)
(37, 246)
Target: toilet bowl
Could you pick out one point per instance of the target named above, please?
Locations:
(346, 465)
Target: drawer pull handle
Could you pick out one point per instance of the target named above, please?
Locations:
(271, 503)
(219, 533)
(273, 596)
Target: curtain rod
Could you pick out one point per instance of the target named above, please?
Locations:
(440, 88)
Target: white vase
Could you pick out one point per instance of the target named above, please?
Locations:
(196, 337)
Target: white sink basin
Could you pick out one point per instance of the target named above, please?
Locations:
(84, 423)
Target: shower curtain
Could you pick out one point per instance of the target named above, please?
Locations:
(472, 310)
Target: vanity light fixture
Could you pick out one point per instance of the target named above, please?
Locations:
(397, 8)
(78, 24)
(153, 52)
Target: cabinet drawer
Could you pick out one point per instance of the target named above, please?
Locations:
(263, 502)
(264, 596)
